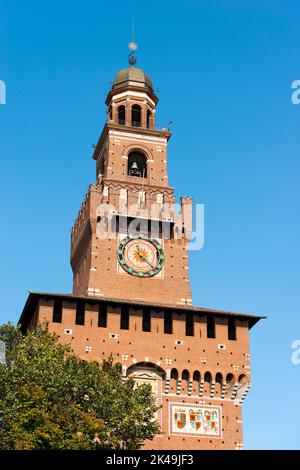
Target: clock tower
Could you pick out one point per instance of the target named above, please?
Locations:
(128, 240)
(131, 291)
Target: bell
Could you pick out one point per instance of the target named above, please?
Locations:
(134, 170)
(134, 166)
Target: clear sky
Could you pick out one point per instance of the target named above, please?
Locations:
(224, 71)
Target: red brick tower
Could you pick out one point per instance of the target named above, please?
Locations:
(131, 291)
(132, 191)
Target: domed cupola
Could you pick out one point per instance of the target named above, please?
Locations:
(132, 76)
(131, 100)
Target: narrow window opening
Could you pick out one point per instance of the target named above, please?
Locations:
(168, 323)
(189, 324)
(57, 311)
(80, 311)
(232, 329)
(146, 320)
(124, 323)
(211, 329)
(102, 316)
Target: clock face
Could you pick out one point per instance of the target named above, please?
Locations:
(141, 256)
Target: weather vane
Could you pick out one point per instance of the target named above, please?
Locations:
(133, 47)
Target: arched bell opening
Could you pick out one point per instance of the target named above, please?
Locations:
(137, 164)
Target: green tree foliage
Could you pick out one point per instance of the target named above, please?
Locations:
(51, 399)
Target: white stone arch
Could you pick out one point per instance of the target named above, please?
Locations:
(152, 374)
(147, 371)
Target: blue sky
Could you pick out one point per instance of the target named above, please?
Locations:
(224, 72)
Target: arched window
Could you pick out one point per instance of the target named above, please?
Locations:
(219, 378)
(196, 376)
(207, 383)
(121, 115)
(185, 381)
(243, 387)
(219, 383)
(196, 382)
(230, 381)
(136, 116)
(185, 375)
(242, 379)
(230, 378)
(173, 380)
(149, 119)
(137, 164)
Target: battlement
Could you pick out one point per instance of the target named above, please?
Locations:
(198, 356)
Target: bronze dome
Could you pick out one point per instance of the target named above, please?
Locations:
(133, 76)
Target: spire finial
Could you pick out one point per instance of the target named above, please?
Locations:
(133, 47)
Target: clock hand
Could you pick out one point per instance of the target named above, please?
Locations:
(139, 251)
(143, 257)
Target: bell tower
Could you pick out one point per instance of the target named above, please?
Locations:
(131, 291)
(129, 240)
